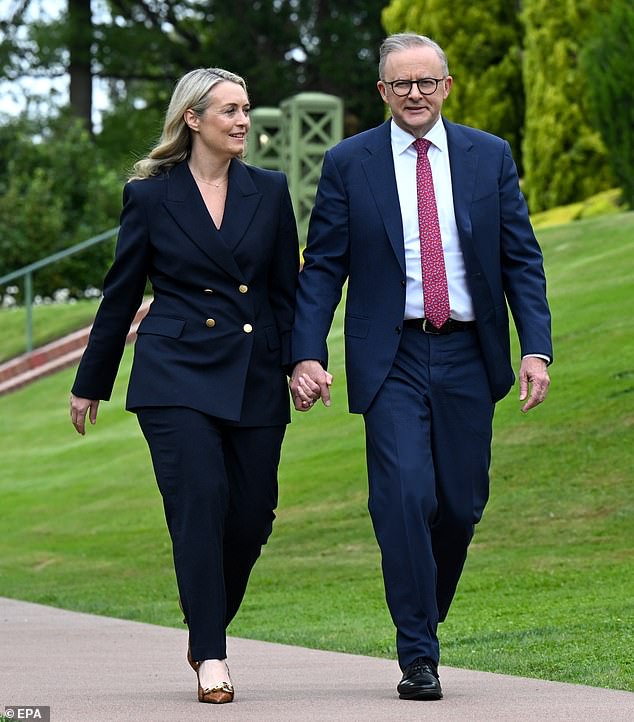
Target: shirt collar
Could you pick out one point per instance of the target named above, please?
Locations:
(402, 140)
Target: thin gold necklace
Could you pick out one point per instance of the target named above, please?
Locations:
(209, 183)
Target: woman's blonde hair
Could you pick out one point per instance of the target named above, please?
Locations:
(191, 91)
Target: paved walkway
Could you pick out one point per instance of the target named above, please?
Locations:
(96, 669)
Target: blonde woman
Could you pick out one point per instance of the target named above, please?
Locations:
(217, 240)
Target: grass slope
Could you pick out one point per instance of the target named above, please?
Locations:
(547, 589)
(49, 322)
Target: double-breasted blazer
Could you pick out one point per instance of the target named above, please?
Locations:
(356, 233)
(216, 337)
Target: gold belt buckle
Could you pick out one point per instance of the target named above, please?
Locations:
(428, 327)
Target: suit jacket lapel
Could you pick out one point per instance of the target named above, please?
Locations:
(186, 206)
(379, 169)
(463, 162)
(243, 199)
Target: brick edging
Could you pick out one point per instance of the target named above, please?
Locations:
(53, 356)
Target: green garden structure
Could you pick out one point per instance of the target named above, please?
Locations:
(264, 146)
(311, 124)
(294, 138)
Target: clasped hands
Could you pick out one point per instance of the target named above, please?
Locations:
(308, 383)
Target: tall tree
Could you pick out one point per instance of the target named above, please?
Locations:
(281, 47)
(54, 191)
(564, 157)
(141, 46)
(483, 44)
(608, 60)
(340, 41)
(39, 45)
(80, 59)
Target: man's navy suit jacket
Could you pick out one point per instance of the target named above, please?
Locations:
(194, 348)
(356, 233)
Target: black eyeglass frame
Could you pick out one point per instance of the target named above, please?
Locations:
(391, 83)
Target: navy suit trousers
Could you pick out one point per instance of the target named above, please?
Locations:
(219, 486)
(428, 445)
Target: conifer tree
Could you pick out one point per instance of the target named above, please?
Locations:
(564, 157)
(608, 61)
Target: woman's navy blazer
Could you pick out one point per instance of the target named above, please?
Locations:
(217, 335)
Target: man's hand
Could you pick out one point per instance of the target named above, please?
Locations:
(534, 378)
(308, 383)
(79, 408)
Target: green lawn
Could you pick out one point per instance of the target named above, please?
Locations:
(49, 322)
(548, 588)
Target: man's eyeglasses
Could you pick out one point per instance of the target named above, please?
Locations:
(426, 86)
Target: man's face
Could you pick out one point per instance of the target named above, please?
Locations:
(415, 113)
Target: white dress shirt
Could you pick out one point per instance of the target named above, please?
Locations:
(404, 152)
(405, 156)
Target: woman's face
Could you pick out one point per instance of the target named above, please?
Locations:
(223, 126)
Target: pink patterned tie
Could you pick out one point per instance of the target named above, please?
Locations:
(435, 292)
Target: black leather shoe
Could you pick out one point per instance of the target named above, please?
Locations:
(420, 681)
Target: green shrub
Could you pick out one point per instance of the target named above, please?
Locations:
(54, 192)
(608, 60)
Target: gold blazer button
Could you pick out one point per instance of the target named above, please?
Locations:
(243, 288)
(211, 322)
(247, 328)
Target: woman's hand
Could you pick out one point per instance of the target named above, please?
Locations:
(308, 383)
(79, 408)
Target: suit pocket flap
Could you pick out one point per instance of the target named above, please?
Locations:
(356, 326)
(161, 326)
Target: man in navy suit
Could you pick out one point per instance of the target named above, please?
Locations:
(427, 346)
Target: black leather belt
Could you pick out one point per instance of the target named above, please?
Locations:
(449, 326)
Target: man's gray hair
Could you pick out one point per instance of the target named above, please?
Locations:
(404, 41)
